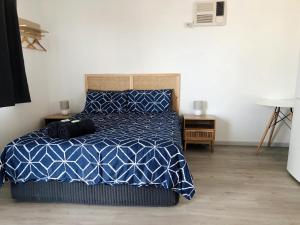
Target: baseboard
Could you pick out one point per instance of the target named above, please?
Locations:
(244, 143)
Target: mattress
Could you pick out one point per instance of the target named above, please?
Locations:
(138, 149)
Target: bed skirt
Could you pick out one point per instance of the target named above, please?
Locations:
(101, 194)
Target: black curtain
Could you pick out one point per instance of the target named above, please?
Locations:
(13, 82)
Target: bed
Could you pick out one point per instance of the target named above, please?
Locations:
(132, 158)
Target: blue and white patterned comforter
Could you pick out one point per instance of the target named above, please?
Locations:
(129, 148)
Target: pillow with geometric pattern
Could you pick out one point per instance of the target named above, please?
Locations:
(149, 100)
(105, 102)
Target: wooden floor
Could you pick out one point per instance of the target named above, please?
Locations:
(234, 187)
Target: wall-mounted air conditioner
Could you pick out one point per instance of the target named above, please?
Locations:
(210, 13)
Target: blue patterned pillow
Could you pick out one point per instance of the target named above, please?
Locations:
(149, 100)
(105, 102)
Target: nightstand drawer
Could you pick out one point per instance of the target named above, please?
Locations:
(199, 134)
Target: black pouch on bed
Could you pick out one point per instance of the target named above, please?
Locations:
(78, 128)
(70, 129)
(52, 129)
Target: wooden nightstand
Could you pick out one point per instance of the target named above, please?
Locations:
(57, 117)
(199, 129)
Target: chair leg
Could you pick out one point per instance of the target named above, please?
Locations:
(266, 131)
(273, 125)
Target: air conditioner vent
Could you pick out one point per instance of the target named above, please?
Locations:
(205, 18)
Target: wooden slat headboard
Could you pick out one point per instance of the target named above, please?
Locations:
(121, 82)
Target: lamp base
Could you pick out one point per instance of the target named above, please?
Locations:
(65, 112)
(197, 112)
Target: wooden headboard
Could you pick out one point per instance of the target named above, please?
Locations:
(121, 82)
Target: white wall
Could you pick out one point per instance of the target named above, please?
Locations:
(255, 55)
(22, 118)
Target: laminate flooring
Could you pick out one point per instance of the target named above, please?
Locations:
(234, 187)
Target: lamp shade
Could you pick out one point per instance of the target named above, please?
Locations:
(64, 107)
(198, 107)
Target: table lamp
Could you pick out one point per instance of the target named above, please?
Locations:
(198, 107)
(64, 107)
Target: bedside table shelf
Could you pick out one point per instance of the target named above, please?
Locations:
(56, 117)
(199, 130)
